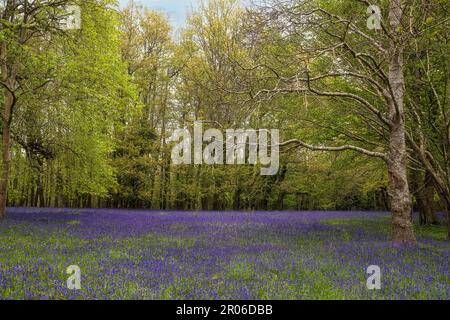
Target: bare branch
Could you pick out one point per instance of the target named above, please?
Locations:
(303, 144)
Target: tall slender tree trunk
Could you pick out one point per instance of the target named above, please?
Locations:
(40, 191)
(428, 194)
(402, 227)
(414, 183)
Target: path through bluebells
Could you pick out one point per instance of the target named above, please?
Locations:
(215, 255)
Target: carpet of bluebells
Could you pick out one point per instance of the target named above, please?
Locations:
(215, 255)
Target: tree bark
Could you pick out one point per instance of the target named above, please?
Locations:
(415, 181)
(423, 188)
(9, 72)
(402, 227)
(6, 155)
(446, 203)
(428, 196)
(448, 219)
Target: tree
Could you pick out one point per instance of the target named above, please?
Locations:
(427, 83)
(22, 21)
(141, 159)
(331, 48)
(71, 89)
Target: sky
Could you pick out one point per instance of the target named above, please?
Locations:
(177, 10)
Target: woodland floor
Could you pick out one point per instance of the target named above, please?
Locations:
(126, 254)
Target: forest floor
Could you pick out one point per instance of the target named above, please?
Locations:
(126, 254)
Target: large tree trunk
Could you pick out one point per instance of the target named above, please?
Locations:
(402, 227)
(6, 156)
